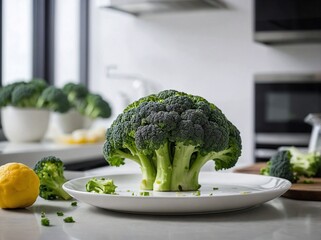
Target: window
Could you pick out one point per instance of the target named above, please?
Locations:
(45, 39)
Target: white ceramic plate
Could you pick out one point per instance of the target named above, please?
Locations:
(220, 192)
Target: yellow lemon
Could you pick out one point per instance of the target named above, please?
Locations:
(19, 186)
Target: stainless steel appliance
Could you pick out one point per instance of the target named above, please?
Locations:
(282, 101)
(287, 21)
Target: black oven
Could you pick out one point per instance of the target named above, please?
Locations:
(282, 101)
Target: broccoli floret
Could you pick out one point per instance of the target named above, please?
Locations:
(6, 94)
(69, 220)
(171, 135)
(94, 106)
(280, 166)
(22, 94)
(50, 171)
(305, 164)
(39, 83)
(292, 164)
(101, 185)
(45, 222)
(26, 95)
(54, 99)
(75, 92)
(60, 214)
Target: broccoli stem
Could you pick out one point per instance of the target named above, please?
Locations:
(56, 186)
(164, 169)
(89, 111)
(148, 172)
(201, 160)
(181, 167)
(127, 155)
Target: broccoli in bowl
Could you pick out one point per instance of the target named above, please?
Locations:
(171, 135)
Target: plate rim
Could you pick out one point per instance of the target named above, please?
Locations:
(190, 203)
(286, 185)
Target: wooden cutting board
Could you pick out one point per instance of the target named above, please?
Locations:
(299, 191)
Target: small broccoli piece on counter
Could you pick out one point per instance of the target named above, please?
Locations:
(69, 220)
(45, 222)
(50, 171)
(101, 185)
(171, 135)
(60, 214)
(292, 164)
(54, 99)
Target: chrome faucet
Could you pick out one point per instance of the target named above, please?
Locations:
(314, 119)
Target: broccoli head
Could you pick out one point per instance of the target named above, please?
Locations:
(280, 166)
(101, 185)
(6, 93)
(94, 106)
(292, 164)
(26, 94)
(39, 83)
(75, 92)
(171, 135)
(50, 171)
(54, 99)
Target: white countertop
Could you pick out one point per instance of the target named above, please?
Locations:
(31, 153)
(279, 219)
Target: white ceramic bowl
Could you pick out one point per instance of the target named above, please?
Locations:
(24, 124)
(71, 121)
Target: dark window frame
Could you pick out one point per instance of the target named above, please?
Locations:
(43, 57)
(84, 42)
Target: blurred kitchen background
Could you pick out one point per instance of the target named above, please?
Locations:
(259, 61)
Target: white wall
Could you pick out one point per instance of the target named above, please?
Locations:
(16, 41)
(209, 53)
(66, 42)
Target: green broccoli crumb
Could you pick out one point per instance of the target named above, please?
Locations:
(211, 194)
(45, 221)
(197, 193)
(144, 194)
(43, 214)
(245, 193)
(60, 214)
(69, 220)
(215, 188)
(74, 204)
